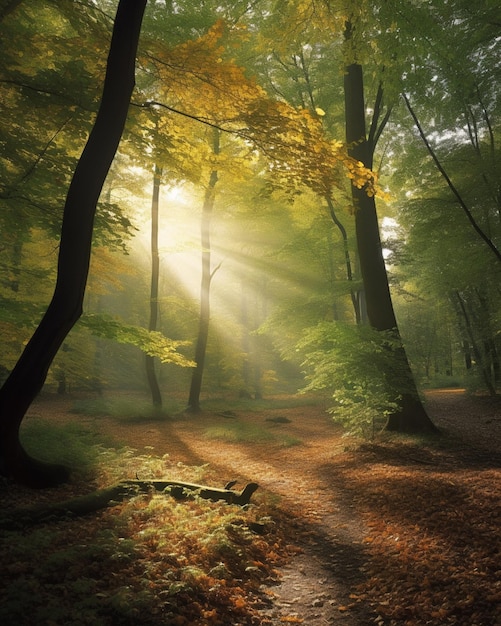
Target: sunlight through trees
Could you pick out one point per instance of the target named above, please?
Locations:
(279, 135)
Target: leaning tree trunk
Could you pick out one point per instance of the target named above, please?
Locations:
(207, 274)
(411, 415)
(355, 299)
(29, 374)
(156, 396)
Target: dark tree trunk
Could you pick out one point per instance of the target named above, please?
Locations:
(411, 416)
(207, 274)
(29, 374)
(156, 396)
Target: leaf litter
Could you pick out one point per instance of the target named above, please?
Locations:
(392, 532)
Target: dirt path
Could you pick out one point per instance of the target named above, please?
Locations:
(317, 583)
(317, 586)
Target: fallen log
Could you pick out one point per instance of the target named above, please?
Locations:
(89, 503)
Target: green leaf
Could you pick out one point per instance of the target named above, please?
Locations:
(152, 343)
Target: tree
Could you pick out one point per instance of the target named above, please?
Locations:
(410, 416)
(156, 395)
(207, 275)
(451, 107)
(443, 262)
(475, 139)
(28, 376)
(52, 63)
(303, 76)
(298, 19)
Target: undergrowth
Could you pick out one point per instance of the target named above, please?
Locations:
(151, 560)
(133, 408)
(125, 409)
(70, 444)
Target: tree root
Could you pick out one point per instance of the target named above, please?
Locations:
(89, 503)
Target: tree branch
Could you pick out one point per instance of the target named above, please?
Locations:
(377, 128)
(89, 503)
(450, 184)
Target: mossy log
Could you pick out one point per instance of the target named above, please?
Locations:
(91, 502)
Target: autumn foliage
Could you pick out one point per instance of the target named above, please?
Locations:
(427, 553)
(199, 80)
(150, 559)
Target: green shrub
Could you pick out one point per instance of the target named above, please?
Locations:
(359, 367)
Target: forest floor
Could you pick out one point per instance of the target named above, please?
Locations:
(388, 532)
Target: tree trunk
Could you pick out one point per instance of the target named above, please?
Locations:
(411, 416)
(109, 496)
(29, 374)
(151, 376)
(260, 314)
(480, 357)
(349, 272)
(484, 321)
(245, 339)
(207, 273)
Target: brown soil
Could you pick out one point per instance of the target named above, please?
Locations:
(314, 482)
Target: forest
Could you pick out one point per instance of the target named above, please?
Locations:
(255, 241)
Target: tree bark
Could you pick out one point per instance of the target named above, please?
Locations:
(29, 374)
(207, 274)
(411, 416)
(151, 376)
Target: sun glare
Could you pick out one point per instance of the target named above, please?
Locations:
(177, 193)
(179, 237)
(236, 280)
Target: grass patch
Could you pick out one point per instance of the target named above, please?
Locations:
(125, 408)
(153, 562)
(128, 408)
(238, 432)
(69, 444)
(254, 406)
